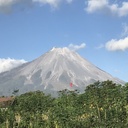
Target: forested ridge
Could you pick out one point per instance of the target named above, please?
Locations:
(102, 105)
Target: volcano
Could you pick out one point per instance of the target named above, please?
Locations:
(56, 70)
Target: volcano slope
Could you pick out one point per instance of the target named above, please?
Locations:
(58, 69)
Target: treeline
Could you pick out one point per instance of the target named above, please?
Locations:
(102, 105)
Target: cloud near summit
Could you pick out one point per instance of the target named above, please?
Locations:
(104, 6)
(76, 47)
(6, 5)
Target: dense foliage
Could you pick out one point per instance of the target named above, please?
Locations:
(102, 105)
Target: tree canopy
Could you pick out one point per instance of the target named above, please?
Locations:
(102, 105)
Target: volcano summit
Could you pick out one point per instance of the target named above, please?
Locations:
(54, 71)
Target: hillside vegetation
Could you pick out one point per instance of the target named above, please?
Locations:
(102, 105)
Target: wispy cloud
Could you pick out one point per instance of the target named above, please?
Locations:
(53, 3)
(69, 1)
(114, 45)
(8, 64)
(6, 5)
(117, 71)
(105, 6)
(125, 30)
(100, 46)
(76, 47)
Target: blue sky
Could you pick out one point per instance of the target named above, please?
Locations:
(96, 29)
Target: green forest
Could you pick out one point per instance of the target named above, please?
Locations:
(102, 105)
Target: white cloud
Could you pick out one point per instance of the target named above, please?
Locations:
(114, 45)
(8, 64)
(94, 5)
(6, 5)
(105, 6)
(76, 47)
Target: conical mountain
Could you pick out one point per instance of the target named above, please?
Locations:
(58, 69)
